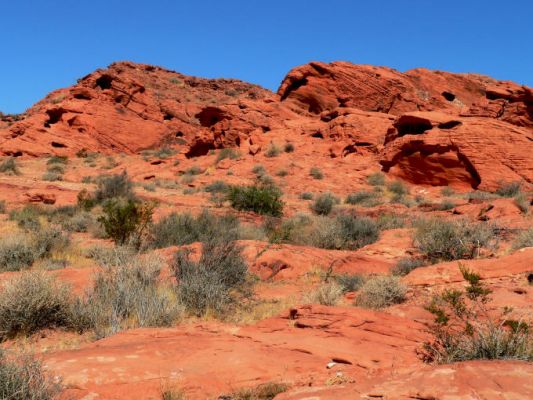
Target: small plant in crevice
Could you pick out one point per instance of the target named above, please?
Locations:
(464, 329)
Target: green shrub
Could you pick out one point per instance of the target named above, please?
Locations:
(272, 151)
(22, 378)
(398, 188)
(289, 148)
(376, 179)
(180, 229)
(350, 282)
(127, 293)
(316, 173)
(227, 153)
(32, 301)
(114, 186)
(324, 203)
(16, 253)
(380, 292)
(508, 189)
(9, 167)
(306, 196)
(367, 199)
(452, 240)
(406, 265)
(344, 232)
(464, 329)
(524, 239)
(261, 199)
(125, 220)
(86, 201)
(216, 282)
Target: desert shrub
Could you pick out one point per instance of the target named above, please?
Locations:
(391, 221)
(316, 173)
(16, 253)
(464, 329)
(149, 187)
(187, 179)
(3, 207)
(56, 168)
(522, 202)
(452, 240)
(349, 282)
(356, 232)
(272, 151)
(480, 195)
(446, 205)
(364, 198)
(327, 294)
(306, 196)
(227, 153)
(126, 294)
(125, 220)
(32, 301)
(51, 264)
(214, 283)
(22, 378)
(261, 199)
(27, 218)
(110, 163)
(264, 391)
(86, 201)
(164, 152)
(508, 189)
(194, 170)
(282, 172)
(381, 291)
(398, 188)
(180, 229)
(113, 186)
(258, 169)
(406, 265)
(9, 167)
(52, 176)
(376, 179)
(216, 187)
(79, 222)
(58, 160)
(173, 394)
(523, 239)
(289, 148)
(447, 191)
(266, 179)
(49, 239)
(324, 203)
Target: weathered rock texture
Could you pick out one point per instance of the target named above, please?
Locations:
(427, 127)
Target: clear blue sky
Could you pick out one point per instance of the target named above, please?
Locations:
(47, 44)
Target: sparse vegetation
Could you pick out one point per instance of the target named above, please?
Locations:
(261, 199)
(465, 330)
(350, 282)
(32, 301)
(398, 188)
(523, 239)
(114, 186)
(230, 153)
(380, 292)
(522, 202)
(324, 203)
(406, 265)
(316, 173)
(376, 179)
(364, 198)
(180, 229)
(508, 189)
(289, 147)
(214, 283)
(265, 391)
(16, 253)
(127, 293)
(327, 294)
(452, 240)
(194, 170)
(306, 196)
(272, 151)
(9, 167)
(22, 378)
(282, 172)
(216, 187)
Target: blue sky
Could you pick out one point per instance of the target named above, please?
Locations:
(49, 44)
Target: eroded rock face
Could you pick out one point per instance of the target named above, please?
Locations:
(426, 127)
